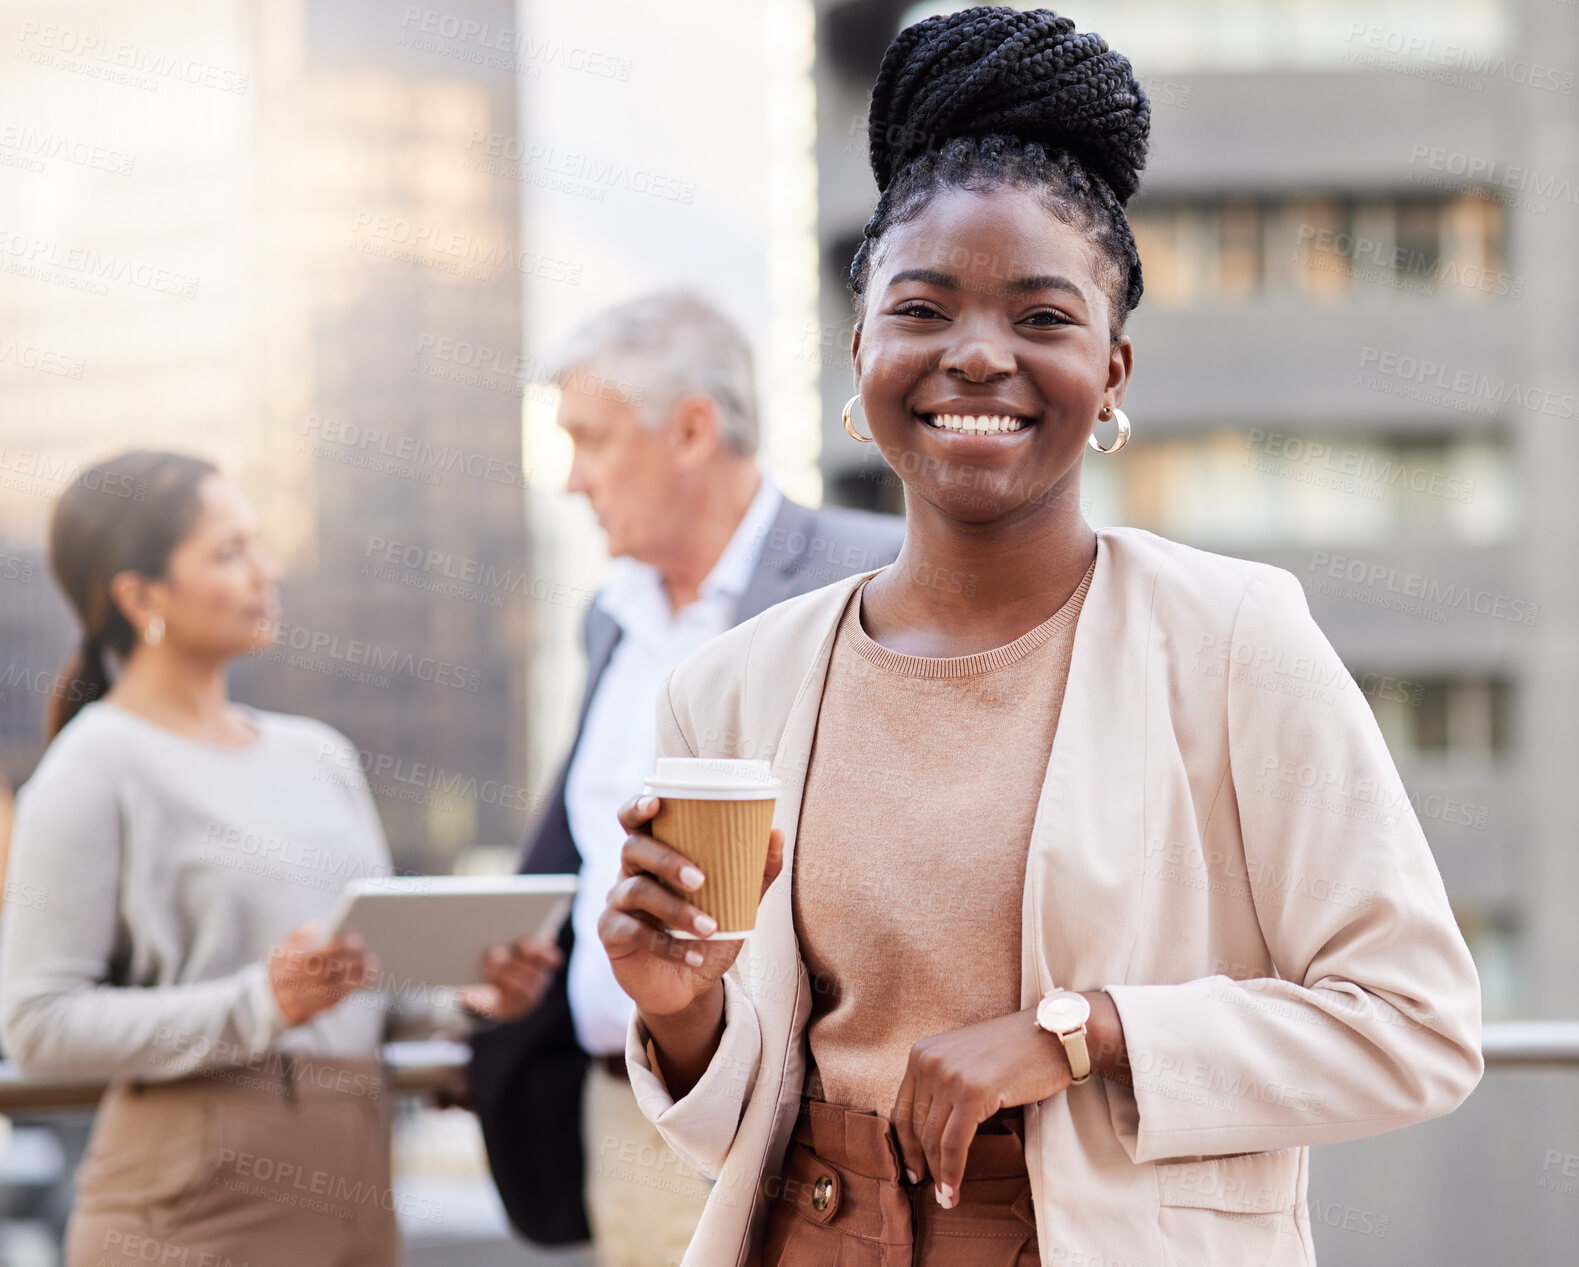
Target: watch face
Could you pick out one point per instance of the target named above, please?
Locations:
(1062, 1012)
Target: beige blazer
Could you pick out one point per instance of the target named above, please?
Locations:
(1222, 842)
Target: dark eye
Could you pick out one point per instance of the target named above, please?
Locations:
(1047, 319)
(915, 308)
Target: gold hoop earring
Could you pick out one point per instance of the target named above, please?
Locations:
(154, 634)
(1123, 430)
(850, 426)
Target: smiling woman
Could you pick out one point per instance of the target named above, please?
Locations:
(1086, 990)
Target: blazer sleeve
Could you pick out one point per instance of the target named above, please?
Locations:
(1373, 1019)
(701, 1126)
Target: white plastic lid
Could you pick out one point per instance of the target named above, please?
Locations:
(727, 778)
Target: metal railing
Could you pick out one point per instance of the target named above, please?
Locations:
(413, 1069)
(427, 1067)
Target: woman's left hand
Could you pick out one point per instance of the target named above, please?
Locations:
(956, 1081)
(517, 976)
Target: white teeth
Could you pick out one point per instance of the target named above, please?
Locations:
(977, 424)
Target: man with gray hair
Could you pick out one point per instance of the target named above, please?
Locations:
(658, 399)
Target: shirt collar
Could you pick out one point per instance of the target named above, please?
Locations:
(732, 573)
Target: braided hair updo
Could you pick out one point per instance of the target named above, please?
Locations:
(992, 96)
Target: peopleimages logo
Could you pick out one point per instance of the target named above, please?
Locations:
(98, 56)
(452, 251)
(36, 148)
(82, 268)
(1392, 581)
(356, 659)
(45, 361)
(1394, 49)
(384, 770)
(1491, 172)
(510, 156)
(1375, 474)
(27, 470)
(1371, 259)
(412, 457)
(1470, 386)
(502, 47)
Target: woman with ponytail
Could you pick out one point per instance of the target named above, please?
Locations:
(1057, 961)
(183, 852)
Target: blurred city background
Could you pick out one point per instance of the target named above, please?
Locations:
(326, 243)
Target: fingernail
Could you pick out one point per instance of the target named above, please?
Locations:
(691, 877)
(912, 1176)
(945, 1196)
(705, 924)
(647, 804)
(694, 958)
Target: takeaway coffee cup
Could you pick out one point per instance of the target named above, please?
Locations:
(718, 812)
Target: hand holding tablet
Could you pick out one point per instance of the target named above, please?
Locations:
(494, 935)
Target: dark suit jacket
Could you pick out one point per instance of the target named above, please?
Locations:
(526, 1075)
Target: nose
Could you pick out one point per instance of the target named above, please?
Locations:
(576, 481)
(268, 567)
(978, 354)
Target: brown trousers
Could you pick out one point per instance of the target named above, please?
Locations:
(842, 1200)
(280, 1164)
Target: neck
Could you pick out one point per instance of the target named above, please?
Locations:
(957, 587)
(710, 519)
(183, 693)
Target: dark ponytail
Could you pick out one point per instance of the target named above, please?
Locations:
(128, 513)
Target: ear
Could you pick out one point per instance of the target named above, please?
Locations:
(695, 427)
(1120, 365)
(133, 593)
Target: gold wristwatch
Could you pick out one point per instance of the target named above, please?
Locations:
(1064, 1013)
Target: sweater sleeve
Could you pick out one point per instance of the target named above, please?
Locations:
(60, 1016)
(1373, 1019)
(701, 1125)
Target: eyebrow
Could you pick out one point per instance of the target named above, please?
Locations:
(1017, 285)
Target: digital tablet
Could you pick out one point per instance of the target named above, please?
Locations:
(433, 929)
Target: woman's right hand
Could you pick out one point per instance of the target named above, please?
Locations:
(664, 975)
(308, 978)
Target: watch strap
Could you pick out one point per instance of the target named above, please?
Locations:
(1079, 1055)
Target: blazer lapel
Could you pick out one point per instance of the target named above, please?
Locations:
(775, 933)
(602, 636)
(1087, 854)
(773, 580)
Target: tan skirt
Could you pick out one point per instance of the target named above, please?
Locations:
(842, 1200)
(283, 1164)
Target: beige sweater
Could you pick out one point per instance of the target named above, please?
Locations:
(910, 871)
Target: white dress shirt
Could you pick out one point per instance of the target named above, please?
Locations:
(617, 745)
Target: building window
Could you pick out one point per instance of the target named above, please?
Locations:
(1321, 249)
(1255, 487)
(1442, 717)
(1250, 36)
(1494, 937)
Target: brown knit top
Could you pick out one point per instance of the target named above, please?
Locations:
(909, 869)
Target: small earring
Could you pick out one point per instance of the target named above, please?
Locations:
(850, 426)
(1107, 412)
(154, 634)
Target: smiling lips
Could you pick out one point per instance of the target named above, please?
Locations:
(976, 424)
